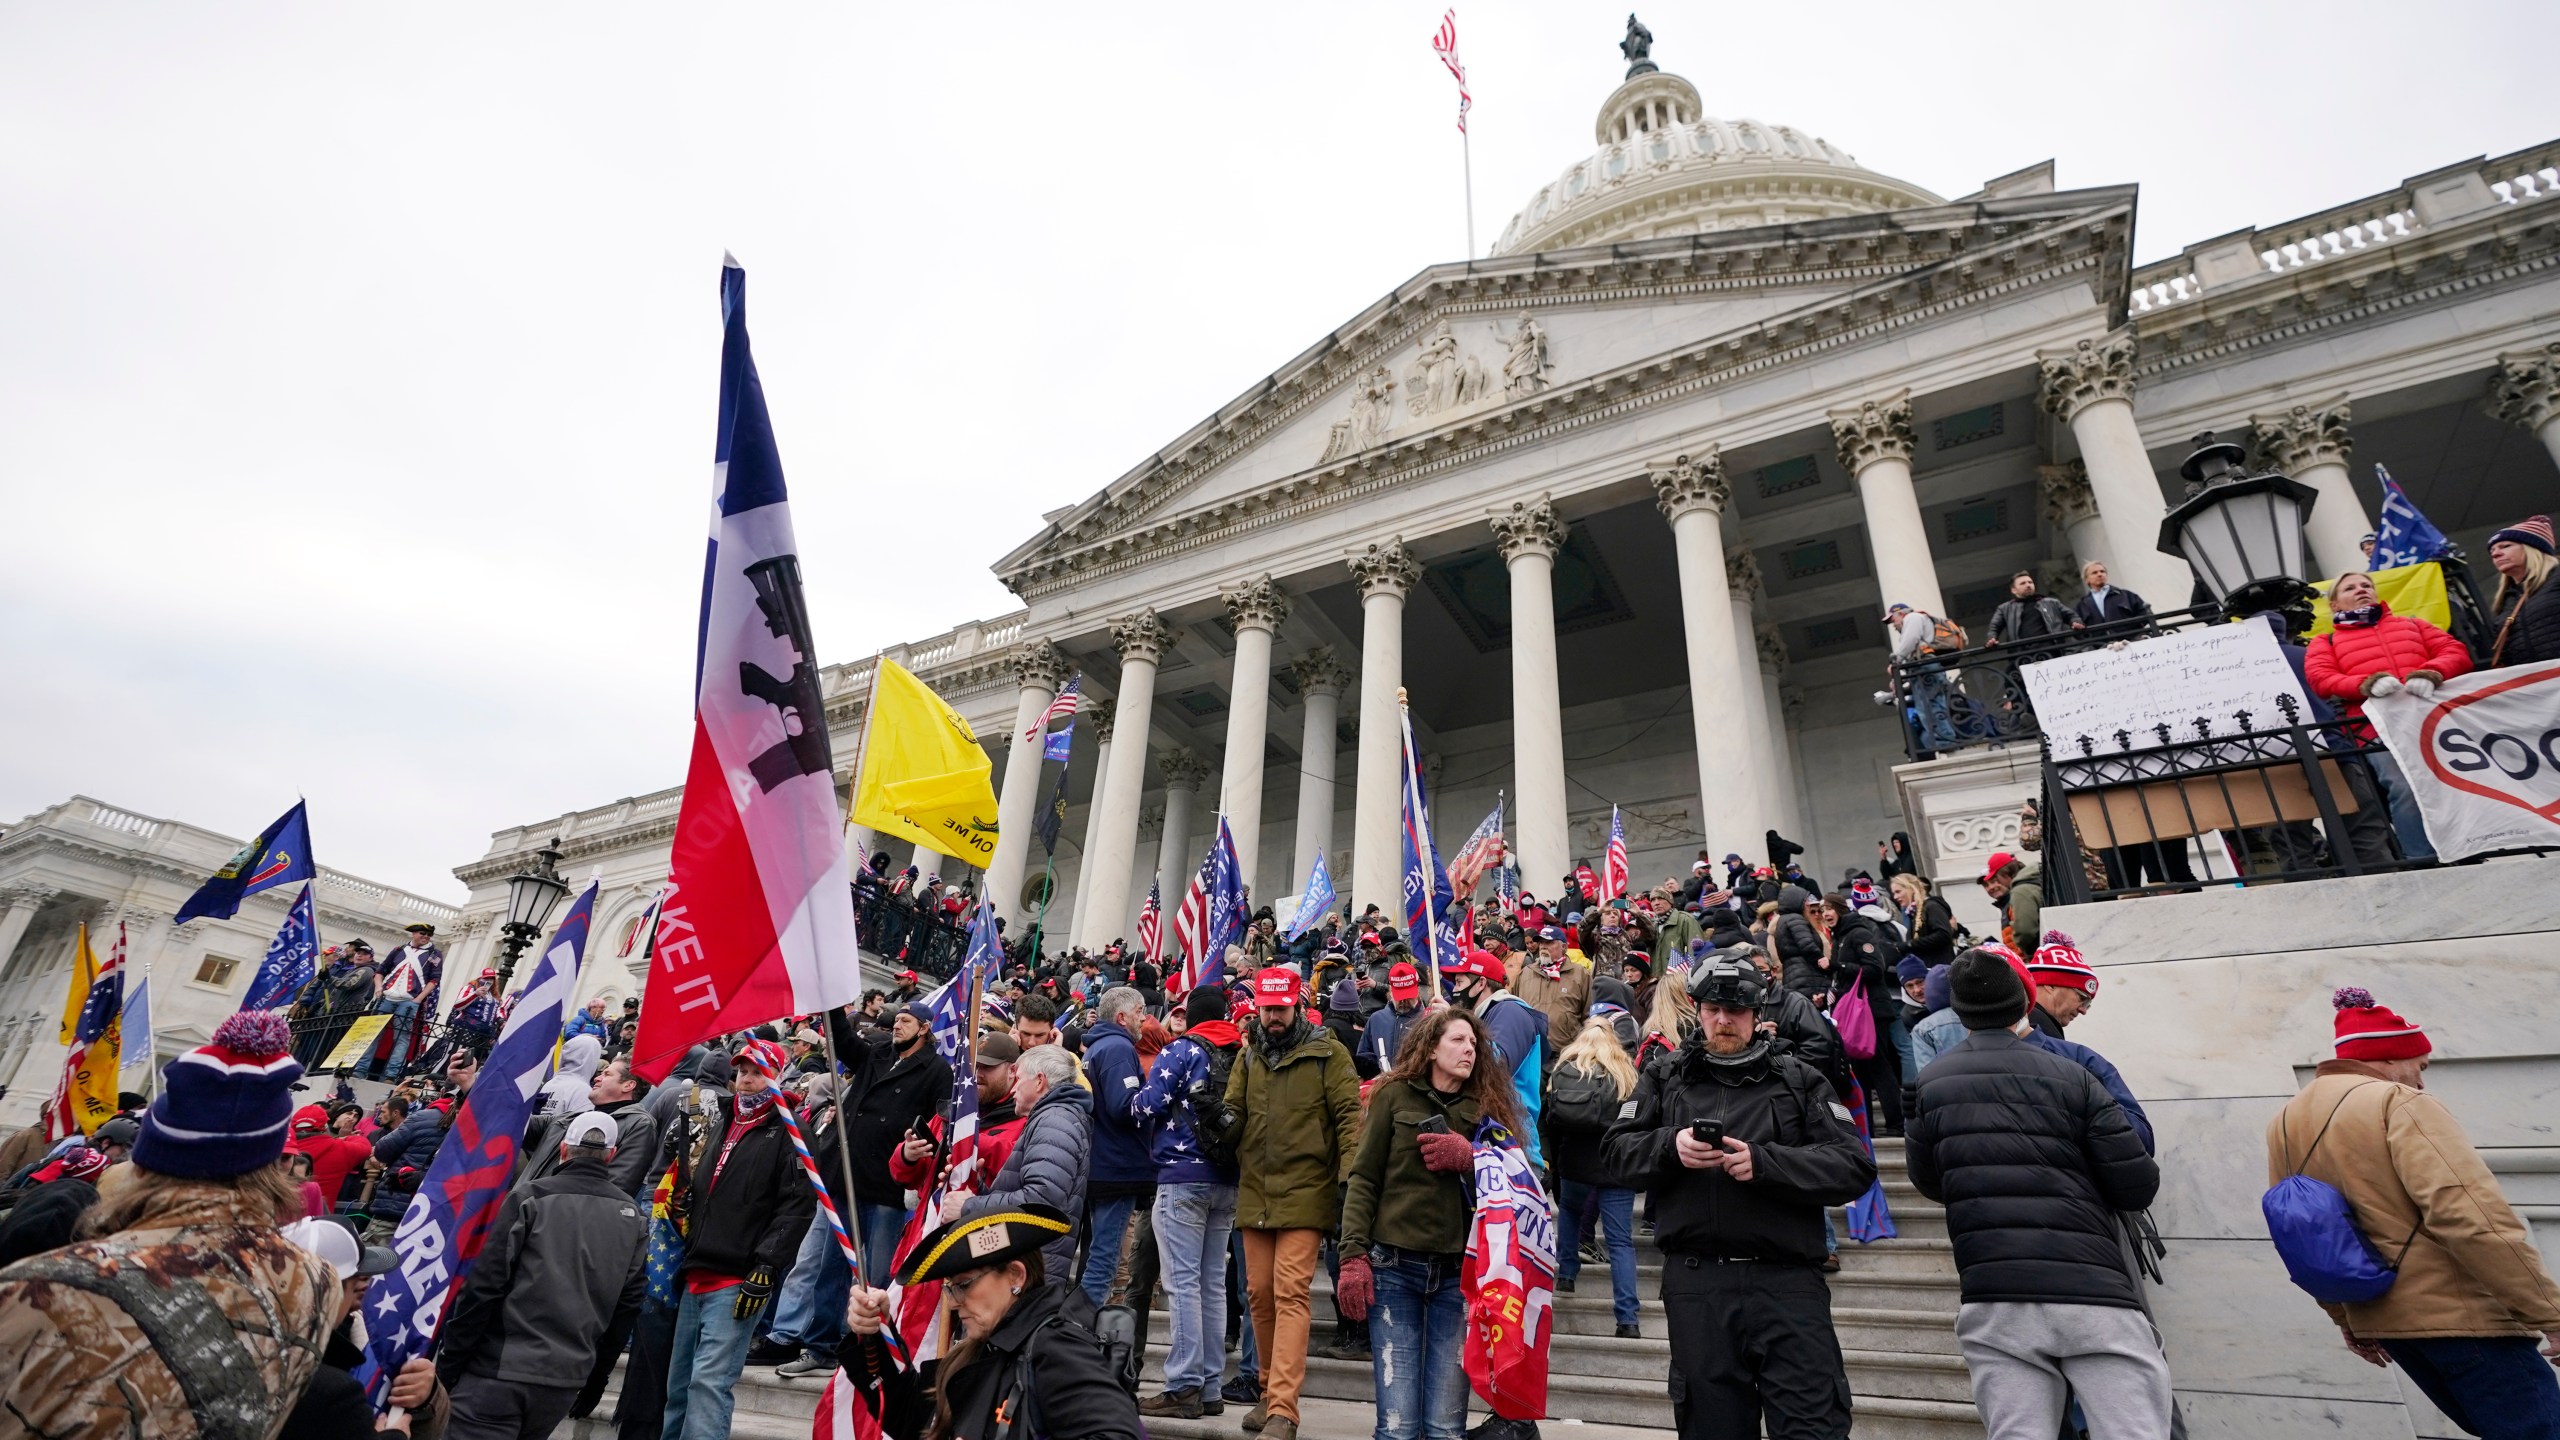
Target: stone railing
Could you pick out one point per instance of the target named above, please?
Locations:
(2520, 178)
(123, 822)
(388, 901)
(950, 649)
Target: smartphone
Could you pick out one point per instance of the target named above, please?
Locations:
(1708, 1132)
(1434, 1126)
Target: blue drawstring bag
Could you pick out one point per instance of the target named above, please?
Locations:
(2316, 1235)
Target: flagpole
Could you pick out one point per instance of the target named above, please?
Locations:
(1422, 818)
(1467, 163)
(853, 801)
(827, 1031)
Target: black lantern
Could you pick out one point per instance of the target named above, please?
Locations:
(532, 894)
(2241, 532)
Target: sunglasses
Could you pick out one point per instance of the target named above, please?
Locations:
(959, 1284)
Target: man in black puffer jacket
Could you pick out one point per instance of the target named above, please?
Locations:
(2033, 1161)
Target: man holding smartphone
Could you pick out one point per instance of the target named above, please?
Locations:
(1741, 1148)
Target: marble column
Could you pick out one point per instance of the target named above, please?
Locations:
(2525, 391)
(1320, 679)
(1875, 441)
(1386, 573)
(2311, 444)
(1724, 699)
(2089, 387)
(1786, 712)
(22, 901)
(928, 862)
(1529, 535)
(1257, 608)
(1103, 913)
(1742, 583)
(1040, 671)
(2070, 508)
(1184, 774)
(1103, 716)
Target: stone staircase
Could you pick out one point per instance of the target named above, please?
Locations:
(1893, 1304)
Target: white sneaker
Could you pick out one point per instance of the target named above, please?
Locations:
(805, 1367)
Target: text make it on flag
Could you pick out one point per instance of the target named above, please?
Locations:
(1444, 43)
(448, 1219)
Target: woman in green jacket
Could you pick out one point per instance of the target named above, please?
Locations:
(1404, 1220)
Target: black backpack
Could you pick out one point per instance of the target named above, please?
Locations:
(1213, 1126)
(1582, 1101)
(1114, 1333)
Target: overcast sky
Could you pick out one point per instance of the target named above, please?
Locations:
(357, 362)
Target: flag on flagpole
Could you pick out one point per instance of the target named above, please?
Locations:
(1151, 921)
(1313, 901)
(292, 958)
(279, 856)
(446, 1222)
(644, 929)
(85, 1097)
(137, 1021)
(1482, 852)
(1219, 917)
(1444, 43)
(1589, 882)
(923, 775)
(1426, 880)
(1052, 818)
(1069, 701)
(757, 922)
(1613, 866)
(2405, 536)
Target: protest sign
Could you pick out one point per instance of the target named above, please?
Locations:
(2216, 673)
(2482, 755)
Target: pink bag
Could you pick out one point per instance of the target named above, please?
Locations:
(1856, 1022)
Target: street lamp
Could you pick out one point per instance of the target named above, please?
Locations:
(2241, 532)
(532, 894)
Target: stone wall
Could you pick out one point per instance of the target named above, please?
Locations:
(2216, 1006)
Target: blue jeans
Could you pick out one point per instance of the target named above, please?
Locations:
(1617, 1222)
(710, 1354)
(2407, 825)
(1416, 1327)
(1192, 1226)
(809, 1311)
(404, 1023)
(1248, 1356)
(2498, 1388)
(881, 1225)
(1929, 696)
(1102, 1262)
(1900, 1032)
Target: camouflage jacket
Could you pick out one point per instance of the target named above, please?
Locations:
(201, 1321)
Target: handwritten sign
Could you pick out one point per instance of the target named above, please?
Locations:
(358, 1039)
(2212, 672)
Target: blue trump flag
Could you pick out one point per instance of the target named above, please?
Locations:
(2406, 537)
(1427, 895)
(279, 856)
(448, 1220)
(292, 957)
(1314, 900)
(137, 1021)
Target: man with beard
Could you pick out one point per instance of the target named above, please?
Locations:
(1741, 1148)
(1384, 1032)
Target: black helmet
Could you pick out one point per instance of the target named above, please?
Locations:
(1725, 979)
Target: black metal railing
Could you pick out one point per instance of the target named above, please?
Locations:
(914, 937)
(1963, 699)
(316, 1035)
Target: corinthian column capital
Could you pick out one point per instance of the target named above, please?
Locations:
(1318, 672)
(2295, 439)
(2068, 501)
(1101, 713)
(1142, 636)
(1182, 770)
(1874, 430)
(1256, 605)
(1529, 527)
(2525, 388)
(1385, 568)
(1689, 483)
(2095, 369)
(1742, 574)
(1039, 666)
(1772, 647)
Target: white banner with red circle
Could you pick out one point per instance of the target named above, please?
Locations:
(2482, 755)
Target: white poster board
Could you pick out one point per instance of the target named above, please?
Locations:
(2210, 671)
(2478, 757)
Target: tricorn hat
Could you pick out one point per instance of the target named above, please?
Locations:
(976, 1243)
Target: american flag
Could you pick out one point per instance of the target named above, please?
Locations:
(1151, 922)
(1213, 914)
(1613, 867)
(1065, 706)
(1482, 852)
(1444, 43)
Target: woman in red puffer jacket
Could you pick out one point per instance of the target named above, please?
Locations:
(2371, 652)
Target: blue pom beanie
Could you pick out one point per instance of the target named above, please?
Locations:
(224, 1106)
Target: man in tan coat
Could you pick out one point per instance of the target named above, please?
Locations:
(2472, 1297)
(1554, 986)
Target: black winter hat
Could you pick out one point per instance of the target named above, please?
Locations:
(1986, 991)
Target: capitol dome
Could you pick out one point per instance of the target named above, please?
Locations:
(1664, 168)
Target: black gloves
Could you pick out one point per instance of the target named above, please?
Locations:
(753, 1295)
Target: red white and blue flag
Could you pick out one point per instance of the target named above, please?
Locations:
(1426, 881)
(1482, 852)
(1444, 43)
(1062, 708)
(1613, 866)
(448, 1220)
(1151, 922)
(758, 918)
(1212, 916)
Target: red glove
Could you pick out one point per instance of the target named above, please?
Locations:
(1353, 1288)
(1446, 1154)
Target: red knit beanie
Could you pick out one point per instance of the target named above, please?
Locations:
(2367, 1031)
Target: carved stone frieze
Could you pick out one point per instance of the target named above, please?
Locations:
(2068, 501)
(1385, 568)
(1181, 769)
(1443, 377)
(1318, 672)
(2525, 388)
(1648, 823)
(1142, 636)
(1372, 415)
(2095, 369)
(2294, 440)
(1691, 482)
(1256, 604)
(1524, 369)
(1529, 527)
(1742, 574)
(1039, 666)
(1876, 430)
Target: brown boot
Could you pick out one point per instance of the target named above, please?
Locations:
(1172, 1404)
(1279, 1427)
(1258, 1416)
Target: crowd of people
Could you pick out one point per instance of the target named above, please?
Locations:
(1701, 1068)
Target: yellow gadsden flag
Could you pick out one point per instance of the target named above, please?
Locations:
(924, 777)
(84, 973)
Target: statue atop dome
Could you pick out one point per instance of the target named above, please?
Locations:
(1638, 48)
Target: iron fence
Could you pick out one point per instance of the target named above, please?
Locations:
(910, 936)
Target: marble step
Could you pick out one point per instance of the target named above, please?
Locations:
(1932, 1380)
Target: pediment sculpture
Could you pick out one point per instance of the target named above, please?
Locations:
(1373, 413)
(1442, 380)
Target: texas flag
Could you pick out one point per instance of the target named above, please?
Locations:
(757, 922)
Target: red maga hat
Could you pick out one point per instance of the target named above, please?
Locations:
(1275, 986)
